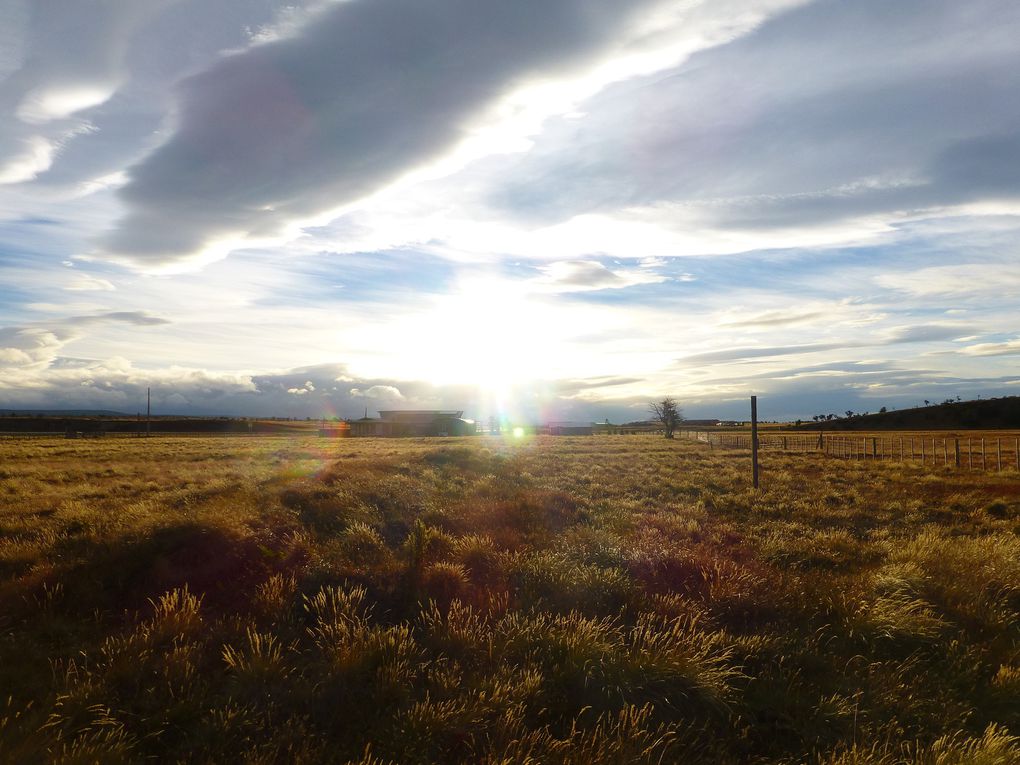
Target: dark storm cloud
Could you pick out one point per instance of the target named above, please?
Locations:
(70, 57)
(85, 84)
(832, 111)
(371, 90)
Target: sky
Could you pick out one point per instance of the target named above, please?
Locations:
(539, 210)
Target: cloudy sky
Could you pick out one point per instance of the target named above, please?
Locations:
(549, 209)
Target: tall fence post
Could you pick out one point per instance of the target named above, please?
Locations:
(956, 451)
(754, 440)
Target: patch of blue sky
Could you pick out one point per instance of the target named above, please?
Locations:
(12, 301)
(357, 277)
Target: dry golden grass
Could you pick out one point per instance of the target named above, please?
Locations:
(569, 600)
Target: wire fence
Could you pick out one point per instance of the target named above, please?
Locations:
(975, 452)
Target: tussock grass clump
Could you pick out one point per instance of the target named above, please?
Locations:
(994, 747)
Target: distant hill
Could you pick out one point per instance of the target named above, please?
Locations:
(61, 413)
(981, 414)
(96, 422)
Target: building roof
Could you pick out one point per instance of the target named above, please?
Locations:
(419, 415)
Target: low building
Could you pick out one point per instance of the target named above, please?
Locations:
(569, 429)
(414, 422)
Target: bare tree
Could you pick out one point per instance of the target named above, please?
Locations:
(667, 412)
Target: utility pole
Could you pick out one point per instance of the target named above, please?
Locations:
(754, 440)
(148, 414)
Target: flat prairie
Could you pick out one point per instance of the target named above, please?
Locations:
(604, 599)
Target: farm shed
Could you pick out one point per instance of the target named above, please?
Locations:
(570, 429)
(414, 422)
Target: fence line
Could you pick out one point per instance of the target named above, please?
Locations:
(980, 453)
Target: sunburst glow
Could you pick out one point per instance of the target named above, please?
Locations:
(491, 333)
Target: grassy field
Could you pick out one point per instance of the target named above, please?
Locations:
(561, 600)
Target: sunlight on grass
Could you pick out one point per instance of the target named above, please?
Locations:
(573, 600)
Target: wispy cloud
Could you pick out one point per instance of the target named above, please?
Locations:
(86, 283)
(744, 354)
(955, 280)
(1007, 348)
(926, 333)
(584, 275)
(138, 318)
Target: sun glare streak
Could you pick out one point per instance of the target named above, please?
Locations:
(490, 333)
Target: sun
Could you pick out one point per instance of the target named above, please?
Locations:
(498, 337)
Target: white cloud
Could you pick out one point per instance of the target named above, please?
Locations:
(585, 275)
(1007, 348)
(383, 392)
(42, 106)
(31, 347)
(86, 283)
(33, 155)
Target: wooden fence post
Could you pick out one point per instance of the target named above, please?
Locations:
(956, 451)
(998, 456)
(984, 462)
(754, 440)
